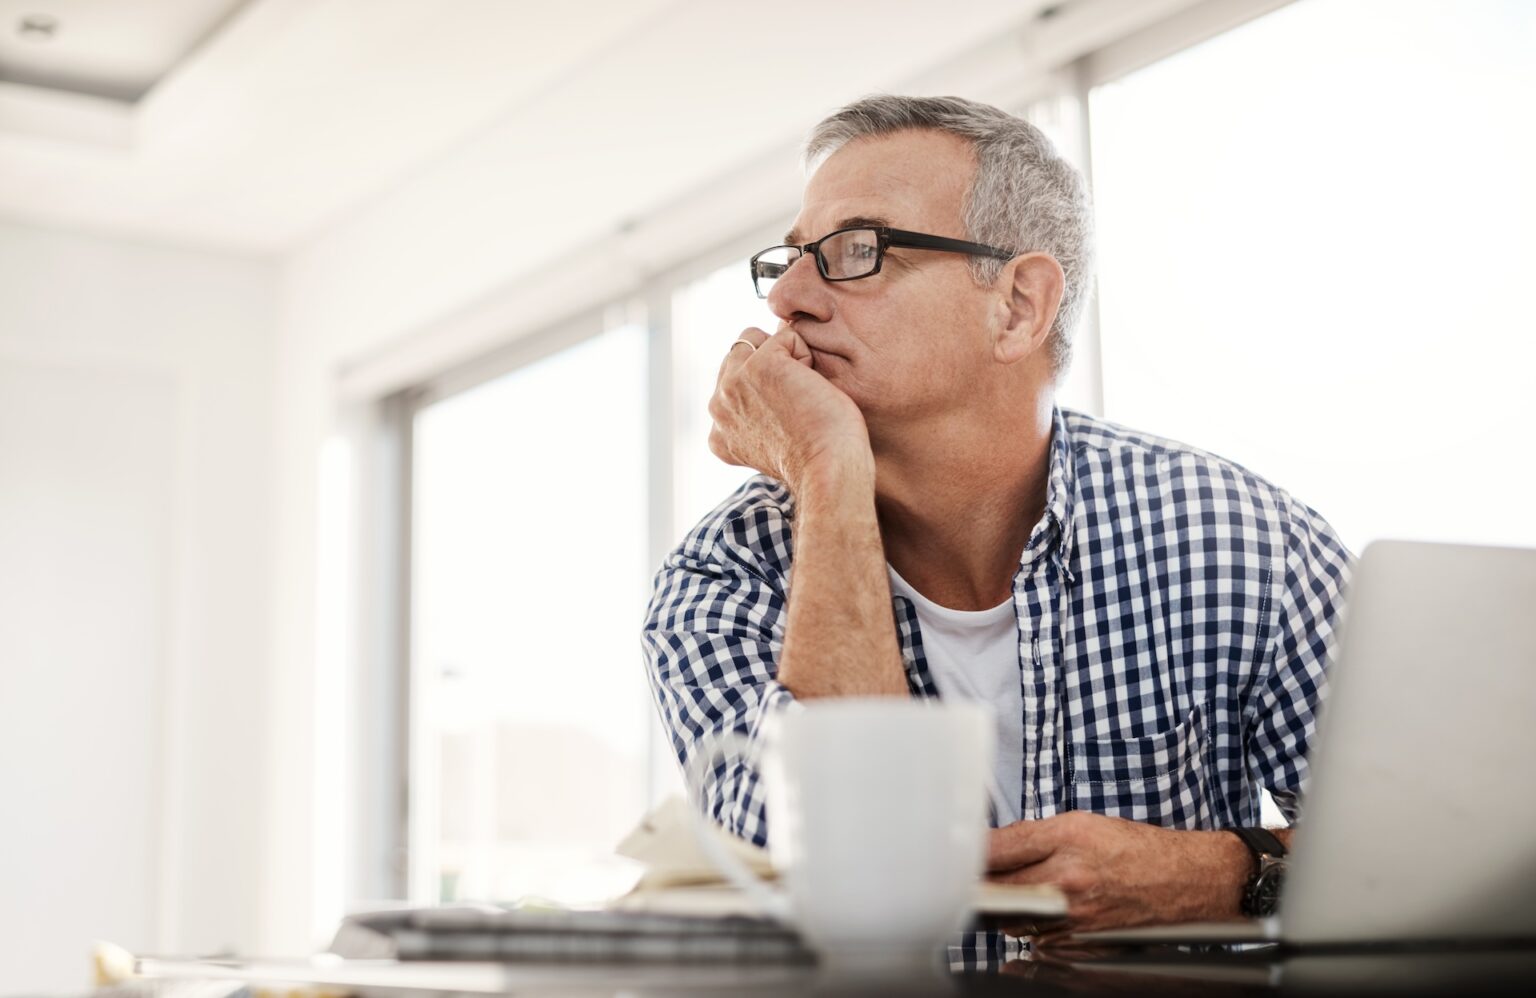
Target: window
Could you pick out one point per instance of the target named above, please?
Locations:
(707, 315)
(529, 709)
(1315, 239)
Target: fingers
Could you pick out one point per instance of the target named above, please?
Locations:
(738, 353)
(1022, 843)
(794, 343)
(718, 446)
(754, 336)
(1039, 934)
(1020, 929)
(1035, 874)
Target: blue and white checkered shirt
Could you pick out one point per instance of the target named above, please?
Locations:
(1176, 614)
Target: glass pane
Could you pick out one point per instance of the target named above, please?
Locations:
(529, 738)
(1316, 244)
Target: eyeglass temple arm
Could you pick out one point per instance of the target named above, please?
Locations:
(919, 240)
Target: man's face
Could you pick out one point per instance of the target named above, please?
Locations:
(910, 341)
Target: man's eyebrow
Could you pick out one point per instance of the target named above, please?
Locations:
(792, 237)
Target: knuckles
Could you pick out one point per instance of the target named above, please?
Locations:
(1076, 883)
(1072, 822)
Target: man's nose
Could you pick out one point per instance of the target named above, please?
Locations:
(800, 292)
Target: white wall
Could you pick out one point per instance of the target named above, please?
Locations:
(135, 408)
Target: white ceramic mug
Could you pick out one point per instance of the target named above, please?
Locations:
(877, 809)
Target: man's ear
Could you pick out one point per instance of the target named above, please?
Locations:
(1029, 291)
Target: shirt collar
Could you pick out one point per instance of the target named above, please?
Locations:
(1053, 535)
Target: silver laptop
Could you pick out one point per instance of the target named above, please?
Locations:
(1420, 820)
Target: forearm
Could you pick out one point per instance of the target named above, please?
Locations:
(840, 636)
(1219, 867)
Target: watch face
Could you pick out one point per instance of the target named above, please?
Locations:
(1264, 891)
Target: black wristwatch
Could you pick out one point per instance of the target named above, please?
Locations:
(1261, 895)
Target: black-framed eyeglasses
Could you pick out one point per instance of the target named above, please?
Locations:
(852, 253)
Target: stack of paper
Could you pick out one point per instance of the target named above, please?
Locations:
(679, 910)
(680, 880)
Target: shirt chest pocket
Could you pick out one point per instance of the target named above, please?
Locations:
(1162, 779)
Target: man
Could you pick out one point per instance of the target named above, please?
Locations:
(1150, 622)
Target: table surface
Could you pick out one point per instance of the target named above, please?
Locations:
(1149, 971)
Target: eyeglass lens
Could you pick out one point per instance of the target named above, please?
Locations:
(853, 253)
(844, 255)
(770, 265)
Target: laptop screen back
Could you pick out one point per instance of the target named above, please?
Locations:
(1420, 820)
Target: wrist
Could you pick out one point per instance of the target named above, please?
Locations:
(835, 474)
(1226, 868)
(1261, 892)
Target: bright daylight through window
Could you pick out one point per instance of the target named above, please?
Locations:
(1317, 235)
(530, 710)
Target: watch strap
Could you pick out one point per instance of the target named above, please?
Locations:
(1260, 842)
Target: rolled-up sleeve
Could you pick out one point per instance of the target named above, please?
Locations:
(712, 638)
(1309, 601)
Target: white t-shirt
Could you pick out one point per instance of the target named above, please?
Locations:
(974, 655)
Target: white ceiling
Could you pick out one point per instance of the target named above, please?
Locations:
(103, 48)
(295, 114)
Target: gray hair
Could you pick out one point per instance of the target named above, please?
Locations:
(1024, 197)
